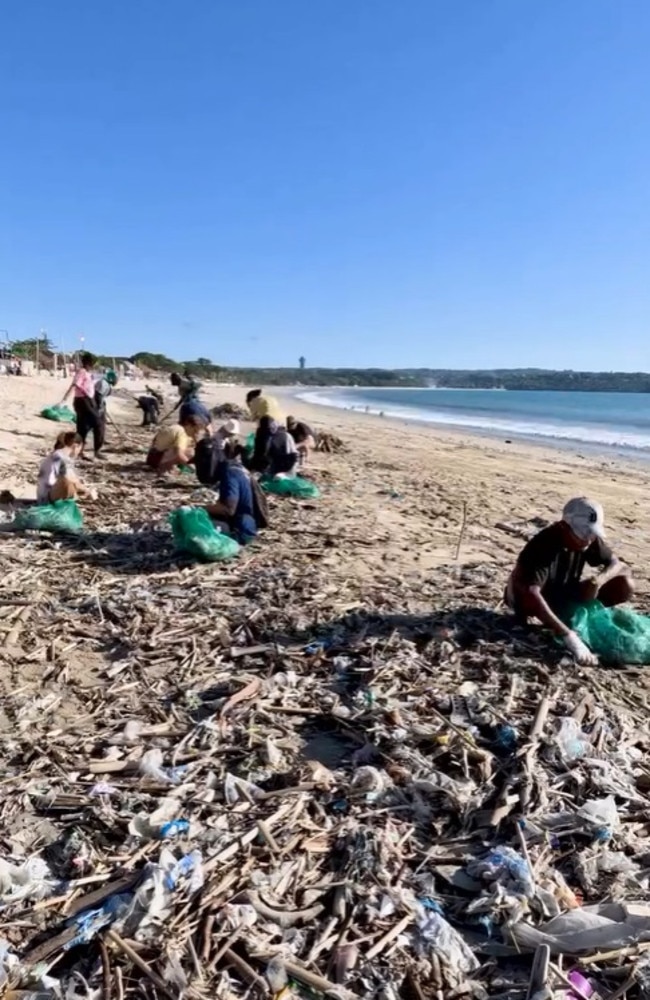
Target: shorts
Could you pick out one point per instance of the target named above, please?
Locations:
(154, 458)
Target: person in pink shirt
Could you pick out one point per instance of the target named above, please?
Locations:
(85, 407)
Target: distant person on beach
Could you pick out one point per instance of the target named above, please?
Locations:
(150, 410)
(175, 445)
(547, 579)
(264, 410)
(188, 397)
(303, 436)
(57, 478)
(241, 509)
(85, 406)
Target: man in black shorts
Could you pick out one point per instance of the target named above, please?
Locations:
(547, 579)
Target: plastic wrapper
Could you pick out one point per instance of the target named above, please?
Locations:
(290, 486)
(151, 766)
(195, 534)
(63, 517)
(60, 413)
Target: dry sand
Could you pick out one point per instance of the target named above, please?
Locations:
(402, 489)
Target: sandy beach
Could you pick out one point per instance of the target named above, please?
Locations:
(402, 489)
(335, 640)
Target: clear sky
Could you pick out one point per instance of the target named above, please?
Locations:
(456, 183)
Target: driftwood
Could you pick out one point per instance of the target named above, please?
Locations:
(268, 775)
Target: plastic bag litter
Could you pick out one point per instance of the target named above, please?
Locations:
(604, 927)
(291, 486)
(507, 868)
(439, 937)
(63, 516)
(250, 443)
(195, 534)
(616, 635)
(59, 413)
(572, 742)
(30, 880)
(600, 816)
(150, 766)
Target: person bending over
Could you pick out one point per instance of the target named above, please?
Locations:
(188, 398)
(547, 579)
(234, 511)
(57, 478)
(150, 410)
(304, 437)
(175, 445)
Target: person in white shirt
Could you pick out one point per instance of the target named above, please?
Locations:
(57, 478)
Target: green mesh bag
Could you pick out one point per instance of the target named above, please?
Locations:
(195, 534)
(291, 486)
(63, 414)
(63, 517)
(615, 635)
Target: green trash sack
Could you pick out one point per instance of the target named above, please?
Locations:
(291, 486)
(60, 413)
(195, 534)
(250, 443)
(615, 635)
(63, 517)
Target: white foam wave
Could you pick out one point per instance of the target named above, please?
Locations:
(611, 437)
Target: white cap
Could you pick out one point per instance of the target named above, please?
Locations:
(231, 428)
(585, 518)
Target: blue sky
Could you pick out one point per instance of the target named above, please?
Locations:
(459, 183)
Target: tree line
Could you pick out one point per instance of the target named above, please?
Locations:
(538, 379)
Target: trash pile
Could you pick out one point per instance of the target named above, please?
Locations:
(249, 779)
(230, 411)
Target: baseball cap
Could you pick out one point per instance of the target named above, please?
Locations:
(585, 518)
(231, 427)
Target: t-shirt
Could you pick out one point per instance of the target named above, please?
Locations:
(547, 563)
(84, 384)
(301, 432)
(102, 391)
(265, 406)
(188, 388)
(56, 464)
(281, 443)
(235, 487)
(175, 437)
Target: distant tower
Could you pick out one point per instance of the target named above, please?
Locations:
(302, 362)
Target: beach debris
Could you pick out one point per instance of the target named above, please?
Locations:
(258, 778)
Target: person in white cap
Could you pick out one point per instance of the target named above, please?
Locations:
(547, 579)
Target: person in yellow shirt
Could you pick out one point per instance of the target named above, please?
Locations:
(265, 410)
(263, 406)
(175, 445)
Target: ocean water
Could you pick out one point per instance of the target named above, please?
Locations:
(609, 420)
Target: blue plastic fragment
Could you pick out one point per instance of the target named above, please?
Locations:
(173, 828)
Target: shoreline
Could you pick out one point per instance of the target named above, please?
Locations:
(324, 413)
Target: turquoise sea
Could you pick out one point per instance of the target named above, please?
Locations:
(607, 419)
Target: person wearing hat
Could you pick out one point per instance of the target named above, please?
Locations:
(548, 576)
